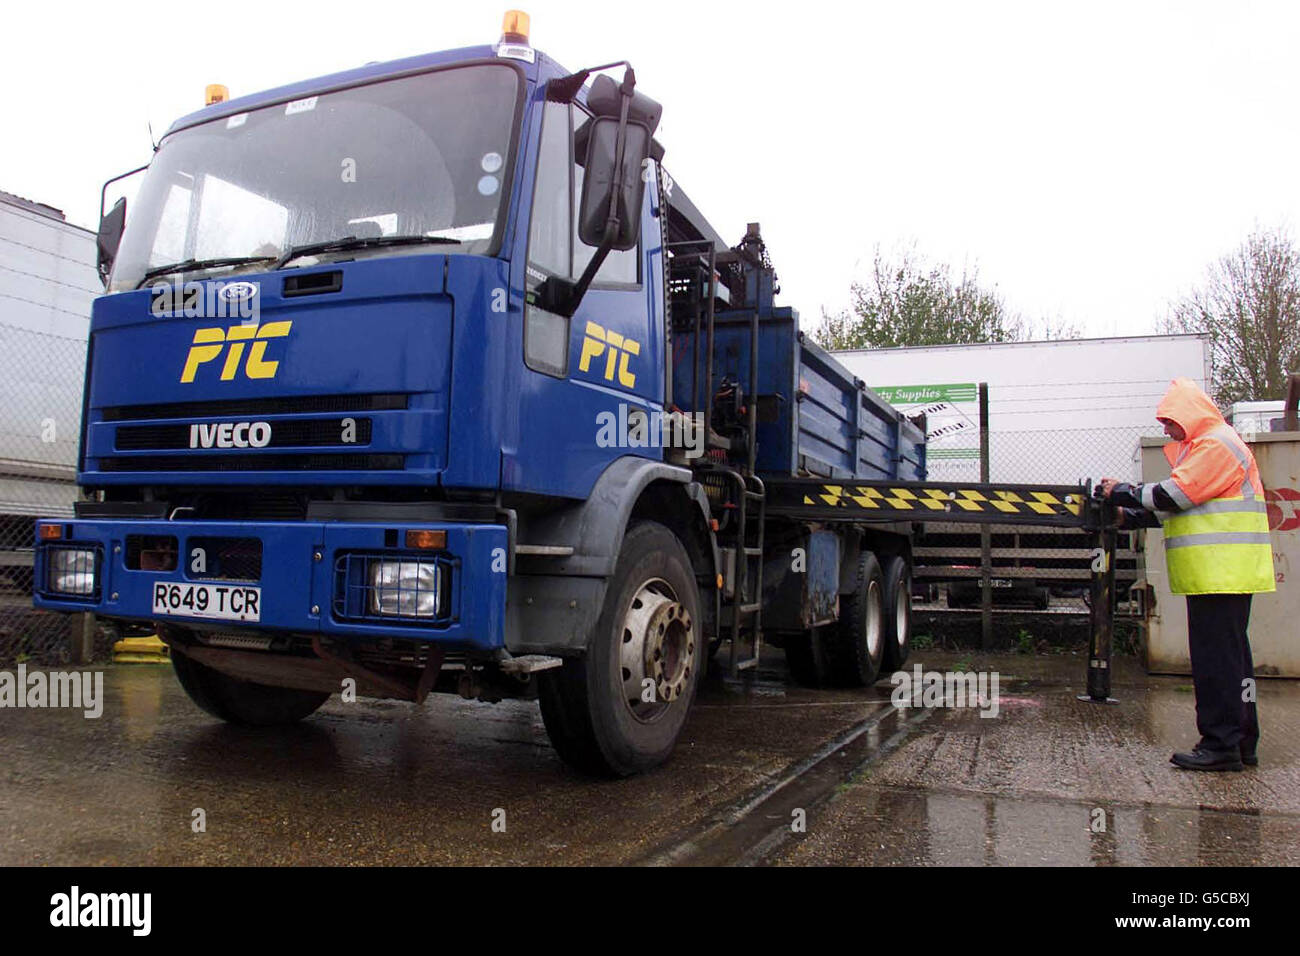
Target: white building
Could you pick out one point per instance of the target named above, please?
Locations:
(1059, 411)
(47, 283)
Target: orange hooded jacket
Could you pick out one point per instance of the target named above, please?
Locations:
(1211, 461)
(1217, 541)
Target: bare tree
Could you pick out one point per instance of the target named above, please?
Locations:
(907, 301)
(1249, 305)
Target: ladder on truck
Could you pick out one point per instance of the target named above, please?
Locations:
(737, 496)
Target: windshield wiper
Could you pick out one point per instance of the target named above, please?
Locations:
(353, 242)
(192, 265)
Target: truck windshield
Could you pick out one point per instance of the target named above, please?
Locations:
(421, 156)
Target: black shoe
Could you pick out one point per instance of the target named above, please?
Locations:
(1200, 759)
(1248, 755)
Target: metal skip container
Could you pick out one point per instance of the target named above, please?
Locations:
(1274, 618)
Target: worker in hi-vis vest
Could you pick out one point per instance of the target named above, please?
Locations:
(1218, 552)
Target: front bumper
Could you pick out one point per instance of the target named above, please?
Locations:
(312, 576)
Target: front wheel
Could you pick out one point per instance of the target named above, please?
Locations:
(240, 701)
(619, 709)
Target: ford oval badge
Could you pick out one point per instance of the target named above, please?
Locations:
(238, 291)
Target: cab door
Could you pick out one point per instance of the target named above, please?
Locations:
(586, 378)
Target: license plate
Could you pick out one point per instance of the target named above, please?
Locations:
(1000, 583)
(217, 602)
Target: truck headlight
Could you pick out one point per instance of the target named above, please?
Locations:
(72, 571)
(407, 588)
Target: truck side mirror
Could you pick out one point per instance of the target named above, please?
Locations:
(609, 214)
(111, 225)
(603, 182)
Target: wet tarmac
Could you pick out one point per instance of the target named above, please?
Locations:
(374, 782)
(1052, 781)
(458, 782)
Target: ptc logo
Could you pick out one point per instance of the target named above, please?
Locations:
(616, 349)
(210, 343)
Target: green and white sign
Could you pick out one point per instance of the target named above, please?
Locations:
(920, 394)
(948, 427)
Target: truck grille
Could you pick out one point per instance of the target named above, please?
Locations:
(267, 462)
(227, 559)
(239, 408)
(293, 433)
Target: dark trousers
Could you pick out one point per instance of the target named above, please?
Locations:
(1221, 665)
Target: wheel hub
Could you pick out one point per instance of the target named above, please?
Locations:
(658, 644)
(874, 622)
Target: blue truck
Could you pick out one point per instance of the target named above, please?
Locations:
(427, 377)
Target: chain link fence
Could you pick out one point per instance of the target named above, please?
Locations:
(1041, 576)
(40, 425)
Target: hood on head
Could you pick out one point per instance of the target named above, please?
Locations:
(1190, 407)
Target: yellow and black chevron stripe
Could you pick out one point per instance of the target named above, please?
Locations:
(957, 500)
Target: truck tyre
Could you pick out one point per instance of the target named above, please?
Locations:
(805, 656)
(618, 709)
(898, 612)
(856, 648)
(240, 701)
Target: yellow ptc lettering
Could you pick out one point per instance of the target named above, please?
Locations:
(592, 345)
(201, 352)
(626, 378)
(235, 336)
(615, 343)
(274, 330)
(257, 367)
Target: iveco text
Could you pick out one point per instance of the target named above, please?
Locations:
(230, 435)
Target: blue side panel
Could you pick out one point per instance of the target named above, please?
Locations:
(479, 391)
(828, 422)
(847, 431)
(814, 417)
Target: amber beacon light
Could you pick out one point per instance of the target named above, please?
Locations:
(514, 27)
(215, 93)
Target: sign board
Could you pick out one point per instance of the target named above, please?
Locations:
(951, 423)
(921, 394)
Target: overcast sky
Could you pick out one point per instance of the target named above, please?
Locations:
(1091, 158)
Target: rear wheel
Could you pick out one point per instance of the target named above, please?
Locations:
(619, 709)
(240, 701)
(805, 656)
(856, 648)
(898, 612)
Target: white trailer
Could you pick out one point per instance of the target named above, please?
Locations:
(1252, 418)
(47, 283)
(1059, 410)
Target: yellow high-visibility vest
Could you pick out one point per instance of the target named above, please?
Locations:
(1221, 546)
